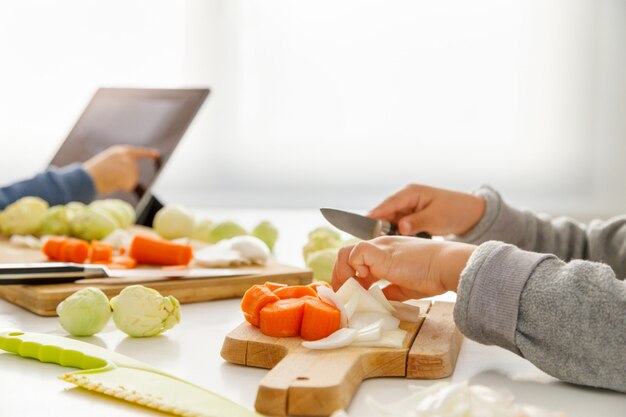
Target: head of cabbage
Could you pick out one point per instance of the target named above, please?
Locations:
(24, 216)
(85, 312)
(143, 312)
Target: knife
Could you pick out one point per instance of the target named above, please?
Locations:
(361, 226)
(120, 376)
(38, 273)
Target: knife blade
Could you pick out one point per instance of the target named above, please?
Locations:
(361, 226)
(110, 373)
(38, 273)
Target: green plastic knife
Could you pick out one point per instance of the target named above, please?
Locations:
(111, 373)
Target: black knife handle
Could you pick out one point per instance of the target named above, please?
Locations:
(393, 231)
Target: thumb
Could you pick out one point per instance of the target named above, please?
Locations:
(415, 223)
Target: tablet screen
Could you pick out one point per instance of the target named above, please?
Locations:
(154, 118)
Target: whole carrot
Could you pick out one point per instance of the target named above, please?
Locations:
(157, 251)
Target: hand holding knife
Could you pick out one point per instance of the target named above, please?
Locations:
(361, 226)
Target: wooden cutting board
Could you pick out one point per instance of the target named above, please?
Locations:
(306, 382)
(43, 299)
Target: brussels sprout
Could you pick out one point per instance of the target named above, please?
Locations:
(324, 232)
(322, 263)
(319, 239)
(55, 222)
(85, 312)
(24, 216)
(73, 209)
(173, 222)
(143, 312)
(92, 224)
(122, 212)
(226, 230)
(267, 232)
(202, 230)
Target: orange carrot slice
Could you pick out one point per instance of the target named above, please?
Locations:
(151, 250)
(316, 284)
(282, 318)
(273, 286)
(122, 262)
(295, 291)
(101, 252)
(74, 250)
(52, 248)
(319, 320)
(257, 297)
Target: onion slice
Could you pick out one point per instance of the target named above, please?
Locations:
(376, 292)
(389, 338)
(405, 311)
(365, 319)
(370, 333)
(340, 338)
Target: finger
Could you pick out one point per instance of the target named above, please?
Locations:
(403, 200)
(395, 292)
(420, 221)
(142, 153)
(365, 255)
(342, 269)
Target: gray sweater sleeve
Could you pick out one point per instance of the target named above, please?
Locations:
(568, 318)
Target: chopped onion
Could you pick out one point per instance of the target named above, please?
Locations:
(26, 241)
(366, 302)
(218, 255)
(328, 296)
(376, 292)
(369, 333)
(405, 311)
(352, 305)
(362, 320)
(389, 338)
(457, 400)
(340, 338)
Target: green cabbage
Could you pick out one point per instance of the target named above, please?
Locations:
(56, 222)
(202, 230)
(267, 232)
(85, 312)
(226, 230)
(23, 217)
(143, 312)
(173, 222)
(92, 224)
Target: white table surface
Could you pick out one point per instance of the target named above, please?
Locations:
(191, 351)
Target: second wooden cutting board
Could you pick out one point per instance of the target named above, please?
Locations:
(306, 382)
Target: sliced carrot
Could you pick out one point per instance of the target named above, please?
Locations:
(282, 318)
(319, 320)
(173, 267)
(101, 252)
(152, 250)
(316, 284)
(52, 248)
(257, 297)
(295, 291)
(273, 286)
(74, 250)
(122, 262)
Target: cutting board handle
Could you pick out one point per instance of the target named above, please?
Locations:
(310, 380)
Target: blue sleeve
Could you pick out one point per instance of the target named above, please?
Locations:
(55, 185)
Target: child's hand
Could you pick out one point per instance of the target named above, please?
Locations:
(116, 169)
(418, 208)
(415, 267)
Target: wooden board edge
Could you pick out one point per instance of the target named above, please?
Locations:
(437, 345)
(199, 290)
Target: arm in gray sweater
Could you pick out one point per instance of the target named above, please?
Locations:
(568, 318)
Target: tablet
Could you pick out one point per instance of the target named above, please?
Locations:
(154, 118)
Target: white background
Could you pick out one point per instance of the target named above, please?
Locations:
(338, 103)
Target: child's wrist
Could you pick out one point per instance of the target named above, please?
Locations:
(453, 258)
